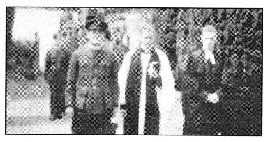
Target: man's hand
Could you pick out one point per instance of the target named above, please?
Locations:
(118, 116)
(69, 112)
(153, 69)
(214, 98)
(118, 119)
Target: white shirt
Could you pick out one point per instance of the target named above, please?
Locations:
(209, 56)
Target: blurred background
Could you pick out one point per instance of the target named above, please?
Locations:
(32, 31)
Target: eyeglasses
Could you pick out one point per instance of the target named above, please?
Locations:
(212, 39)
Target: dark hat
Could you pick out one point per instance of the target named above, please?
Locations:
(95, 22)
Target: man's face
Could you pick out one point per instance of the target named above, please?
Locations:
(147, 34)
(67, 37)
(208, 40)
(96, 38)
(68, 30)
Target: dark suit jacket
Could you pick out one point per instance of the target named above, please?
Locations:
(200, 77)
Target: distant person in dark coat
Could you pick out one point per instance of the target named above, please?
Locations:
(91, 93)
(118, 46)
(56, 66)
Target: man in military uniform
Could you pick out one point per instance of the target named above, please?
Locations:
(200, 83)
(56, 66)
(92, 86)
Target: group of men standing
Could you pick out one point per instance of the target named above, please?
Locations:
(139, 94)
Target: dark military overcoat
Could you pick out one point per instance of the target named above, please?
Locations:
(92, 80)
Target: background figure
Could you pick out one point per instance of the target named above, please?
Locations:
(56, 65)
(92, 82)
(54, 78)
(147, 94)
(201, 85)
(119, 48)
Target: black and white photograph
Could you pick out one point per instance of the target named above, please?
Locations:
(167, 71)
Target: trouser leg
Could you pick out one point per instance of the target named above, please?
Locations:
(109, 127)
(212, 118)
(57, 100)
(193, 117)
(92, 124)
(131, 121)
(152, 117)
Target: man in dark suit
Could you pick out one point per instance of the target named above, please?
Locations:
(92, 82)
(200, 83)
